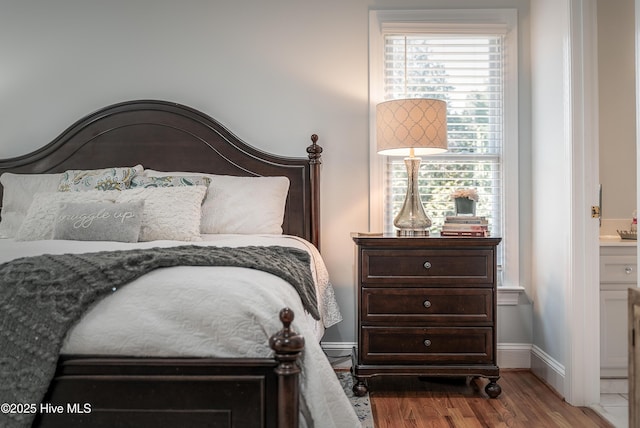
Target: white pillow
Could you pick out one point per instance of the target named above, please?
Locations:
(18, 193)
(169, 212)
(245, 205)
(41, 216)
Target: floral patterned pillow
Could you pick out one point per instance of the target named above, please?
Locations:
(119, 178)
(169, 181)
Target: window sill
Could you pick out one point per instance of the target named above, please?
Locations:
(509, 296)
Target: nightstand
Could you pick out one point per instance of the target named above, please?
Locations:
(426, 307)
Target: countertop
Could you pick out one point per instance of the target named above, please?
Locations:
(615, 241)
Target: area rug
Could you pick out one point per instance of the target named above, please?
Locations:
(362, 405)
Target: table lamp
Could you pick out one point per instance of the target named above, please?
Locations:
(413, 127)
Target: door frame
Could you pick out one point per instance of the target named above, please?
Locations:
(582, 363)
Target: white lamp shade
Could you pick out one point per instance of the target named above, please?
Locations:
(416, 123)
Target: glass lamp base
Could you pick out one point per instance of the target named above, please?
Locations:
(412, 220)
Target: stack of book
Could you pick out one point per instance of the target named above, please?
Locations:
(465, 226)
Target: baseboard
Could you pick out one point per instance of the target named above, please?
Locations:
(338, 353)
(614, 386)
(337, 348)
(514, 355)
(548, 369)
(510, 355)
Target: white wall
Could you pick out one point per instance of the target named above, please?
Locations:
(550, 176)
(273, 71)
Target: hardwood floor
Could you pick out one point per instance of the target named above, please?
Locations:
(525, 402)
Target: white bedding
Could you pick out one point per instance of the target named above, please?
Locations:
(208, 312)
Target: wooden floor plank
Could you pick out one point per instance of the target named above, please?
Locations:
(525, 402)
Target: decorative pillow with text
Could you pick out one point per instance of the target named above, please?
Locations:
(42, 213)
(99, 221)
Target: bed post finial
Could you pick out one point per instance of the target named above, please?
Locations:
(314, 150)
(315, 154)
(287, 345)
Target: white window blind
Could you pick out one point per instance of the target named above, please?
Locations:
(467, 71)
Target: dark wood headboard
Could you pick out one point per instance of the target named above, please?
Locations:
(167, 136)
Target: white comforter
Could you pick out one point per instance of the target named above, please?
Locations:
(208, 312)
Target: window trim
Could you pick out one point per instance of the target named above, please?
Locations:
(463, 20)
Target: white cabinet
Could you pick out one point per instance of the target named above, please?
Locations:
(618, 272)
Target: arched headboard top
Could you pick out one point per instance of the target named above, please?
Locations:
(167, 136)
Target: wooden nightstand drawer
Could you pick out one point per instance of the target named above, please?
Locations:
(454, 306)
(398, 345)
(428, 266)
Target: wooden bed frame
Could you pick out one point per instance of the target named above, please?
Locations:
(193, 392)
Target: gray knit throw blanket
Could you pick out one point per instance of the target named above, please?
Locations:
(42, 297)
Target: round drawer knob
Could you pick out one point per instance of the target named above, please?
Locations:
(628, 270)
(427, 265)
(427, 342)
(426, 304)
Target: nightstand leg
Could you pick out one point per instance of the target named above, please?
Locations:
(493, 389)
(360, 387)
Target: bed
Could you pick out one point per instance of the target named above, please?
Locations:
(207, 329)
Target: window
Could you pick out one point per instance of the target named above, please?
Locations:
(466, 58)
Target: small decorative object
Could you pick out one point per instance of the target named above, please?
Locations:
(632, 233)
(465, 200)
(628, 234)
